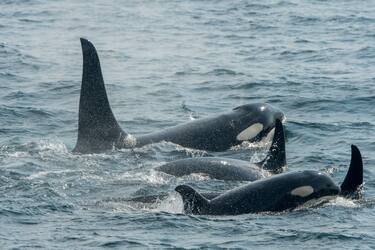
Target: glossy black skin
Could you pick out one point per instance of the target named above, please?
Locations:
(99, 131)
(350, 188)
(234, 170)
(215, 167)
(267, 195)
(218, 133)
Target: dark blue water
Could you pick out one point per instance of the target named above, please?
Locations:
(165, 63)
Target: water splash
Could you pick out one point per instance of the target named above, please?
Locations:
(172, 204)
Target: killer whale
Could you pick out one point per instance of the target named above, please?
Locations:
(224, 168)
(231, 169)
(277, 193)
(98, 129)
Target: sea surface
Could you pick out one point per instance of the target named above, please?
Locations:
(168, 62)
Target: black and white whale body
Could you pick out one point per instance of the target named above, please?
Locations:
(98, 129)
(277, 193)
(231, 169)
(225, 168)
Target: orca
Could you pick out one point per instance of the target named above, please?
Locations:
(277, 193)
(225, 168)
(99, 131)
(234, 170)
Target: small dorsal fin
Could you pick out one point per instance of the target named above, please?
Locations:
(98, 129)
(194, 202)
(276, 157)
(354, 177)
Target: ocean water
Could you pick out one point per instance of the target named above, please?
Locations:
(167, 62)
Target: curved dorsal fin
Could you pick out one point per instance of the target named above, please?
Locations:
(194, 202)
(354, 177)
(276, 157)
(98, 129)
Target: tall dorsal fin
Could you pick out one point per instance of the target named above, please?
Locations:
(194, 202)
(276, 157)
(354, 177)
(98, 129)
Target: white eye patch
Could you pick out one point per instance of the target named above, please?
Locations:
(250, 132)
(303, 191)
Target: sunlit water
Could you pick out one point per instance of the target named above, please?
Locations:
(165, 63)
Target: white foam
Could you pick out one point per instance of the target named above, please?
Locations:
(153, 177)
(196, 177)
(188, 151)
(315, 202)
(224, 163)
(172, 204)
(19, 154)
(330, 201)
(46, 173)
(47, 145)
(343, 202)
(130, 141)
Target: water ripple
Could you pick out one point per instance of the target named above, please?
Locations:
(167, 62)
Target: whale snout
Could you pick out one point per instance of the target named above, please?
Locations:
(276, 112)
(330, 189)
(279, 115)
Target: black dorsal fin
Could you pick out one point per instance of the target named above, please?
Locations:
(98, 129)
(354, 178)
(276, 157)
(194, 202)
